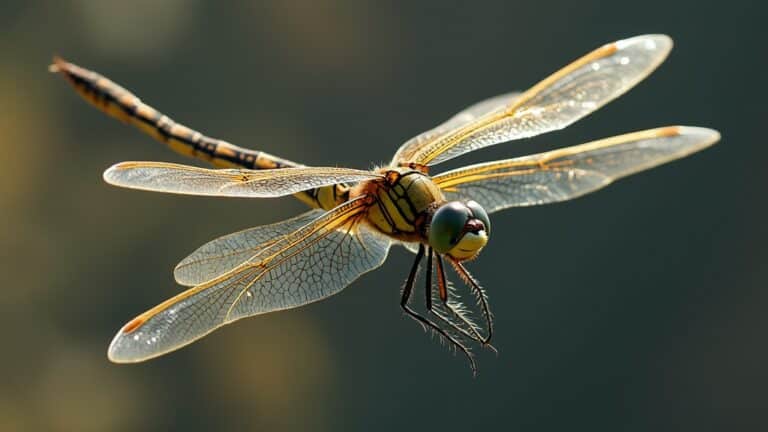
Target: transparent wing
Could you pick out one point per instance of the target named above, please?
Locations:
(559, 100)
(227, 252)
(412, 247)
(460, 119)
(572, 171)
(189, 180)
(316, 261)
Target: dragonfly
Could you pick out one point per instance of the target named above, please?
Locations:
(356, 215)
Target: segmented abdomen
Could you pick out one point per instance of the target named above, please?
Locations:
(120, 103)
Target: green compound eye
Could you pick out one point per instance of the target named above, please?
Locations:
(479, 212)
(447, 226)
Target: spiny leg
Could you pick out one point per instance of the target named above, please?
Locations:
(442, 282)
(408, 289)
(443, 293)
(428, 290)
(443, 296)
(428, 301)
(467, 277)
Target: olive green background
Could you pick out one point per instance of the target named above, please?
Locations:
(638, 308)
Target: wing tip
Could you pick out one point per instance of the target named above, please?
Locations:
(703, 135)
(116, 354)
(694, 138)
(180, 275)
(651, 42)
(123, 348)
(110, 174)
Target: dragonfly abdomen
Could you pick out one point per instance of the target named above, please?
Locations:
(120, 103)
(123, 105)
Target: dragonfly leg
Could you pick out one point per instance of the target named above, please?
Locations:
(480, 293)
(428, 290)
(408, 290)
(442, 285)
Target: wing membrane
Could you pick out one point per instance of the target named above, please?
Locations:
(189, 180)
(572, 171)
(559, 100)
(316, 261)
(227, 252)
(460, 119)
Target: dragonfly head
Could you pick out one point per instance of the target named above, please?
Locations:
(459, 229)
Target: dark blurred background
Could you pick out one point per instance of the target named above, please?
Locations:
(638, 308)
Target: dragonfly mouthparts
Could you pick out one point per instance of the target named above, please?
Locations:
(474, 226)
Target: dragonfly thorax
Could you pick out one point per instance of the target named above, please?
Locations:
(402, 202)
(407, 205)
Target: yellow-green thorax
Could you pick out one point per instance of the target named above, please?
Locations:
(400, 202)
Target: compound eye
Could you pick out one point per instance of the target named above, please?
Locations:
(447, 226)
(479, 212)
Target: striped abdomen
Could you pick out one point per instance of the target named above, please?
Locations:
(120, 103)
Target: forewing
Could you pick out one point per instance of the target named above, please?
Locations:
(570, 172)
(227, 252)
(316, 261)
(189, 180)
(559, 100)
(460, 119)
